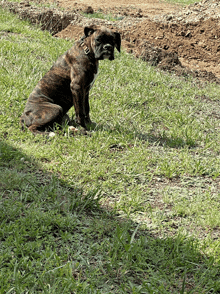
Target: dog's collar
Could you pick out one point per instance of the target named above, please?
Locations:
(85, 47)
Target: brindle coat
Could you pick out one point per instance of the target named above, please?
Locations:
(68, 82)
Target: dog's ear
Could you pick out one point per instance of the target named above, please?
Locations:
(89, 30)
(117, 37)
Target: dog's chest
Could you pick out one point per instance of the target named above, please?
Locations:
(94, 78)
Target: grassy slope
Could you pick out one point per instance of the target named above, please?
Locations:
(154, 159)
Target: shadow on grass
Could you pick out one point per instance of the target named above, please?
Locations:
(57, 239)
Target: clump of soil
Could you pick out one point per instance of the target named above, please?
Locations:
(185, 41)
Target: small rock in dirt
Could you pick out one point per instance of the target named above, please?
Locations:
(89, 10)
(188, 34)
(25, 4)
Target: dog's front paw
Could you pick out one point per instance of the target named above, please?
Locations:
(80, 121)
(91, 125)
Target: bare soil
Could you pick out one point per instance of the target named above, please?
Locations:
(135, 8)
(184, 40)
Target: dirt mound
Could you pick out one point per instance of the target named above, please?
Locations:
(192, 13)
(169, 41)
(197, 45)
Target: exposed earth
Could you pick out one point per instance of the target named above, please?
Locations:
(184, 40)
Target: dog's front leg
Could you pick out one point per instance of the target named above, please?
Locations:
(77, 93)
(78, 105)
(87, 109)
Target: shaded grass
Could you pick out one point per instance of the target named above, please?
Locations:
(153, 159)
(51, 242)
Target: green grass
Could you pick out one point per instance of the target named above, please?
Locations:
(101, 15)
(182, 2)
(131, 208)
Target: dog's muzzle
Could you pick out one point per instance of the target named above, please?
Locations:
(108, 52)
(105, 52)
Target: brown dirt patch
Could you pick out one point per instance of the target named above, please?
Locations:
(182, 40)
(134, 8)
(194, 46)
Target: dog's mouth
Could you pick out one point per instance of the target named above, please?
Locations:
(108, 55)
(105, 53)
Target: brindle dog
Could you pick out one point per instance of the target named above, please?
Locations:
(68, 82)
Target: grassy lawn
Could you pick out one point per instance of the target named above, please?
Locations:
(133, 207)
(181, 2)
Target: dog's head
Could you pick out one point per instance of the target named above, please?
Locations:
(103, 41)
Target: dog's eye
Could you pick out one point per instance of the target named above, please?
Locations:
(98, 41)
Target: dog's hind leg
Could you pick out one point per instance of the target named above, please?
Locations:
(41, 116)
